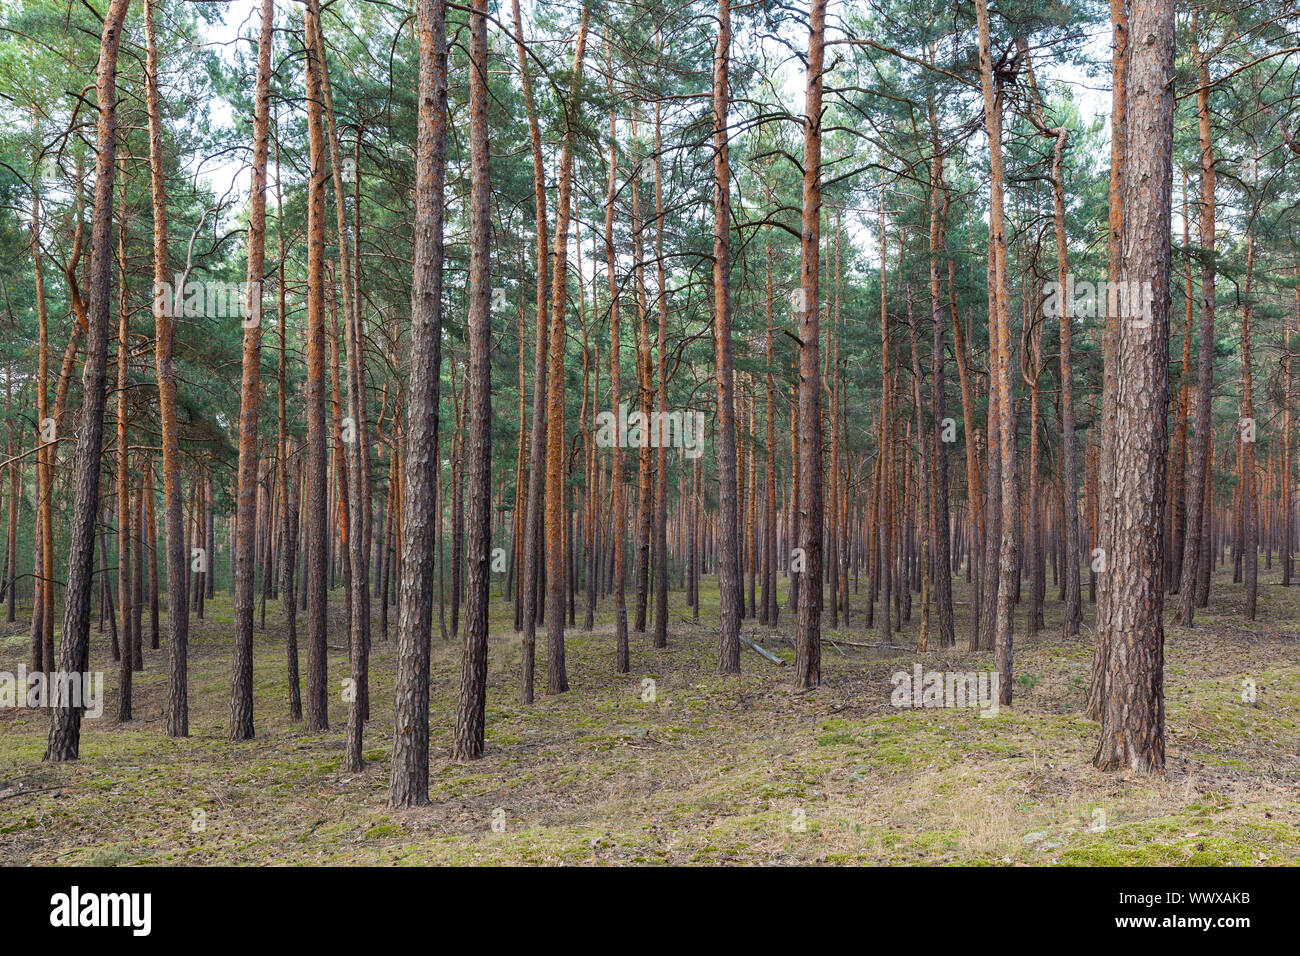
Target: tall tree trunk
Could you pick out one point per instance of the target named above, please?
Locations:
(515, 583)
(1103, 545)
(289, 486)
(1287, 489)
(938, 398)
(618, 509)
(137, 574)
(770, 603)
(42, 633)
(974, 489)
(728, 531)
(124, 595)
(537, 433)
(472, 703)
(15, 502)
(409, 785)
(808, 650)
(924, 527)
(351, 461)
(1246, 435)
(250, 394)
(660, 637)
(1178, 479)
(164, 338)
(317, 530)
(65, 727)
(557, 680)
(1132, 712)
(884, 554)
(1197, 537)
(1000, 363)
(645, 389)
(151, 536)
(1070, 512)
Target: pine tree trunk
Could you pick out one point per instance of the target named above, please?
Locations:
(924, 527)
(770, 603)
(65, 728)
(1000, 366)
(618, 509)
(1198, 505)
(317, 504)
(660, 636)
(938, 398)
(808, 664)
(250, 394)
(472, 702)
(124, 595)
(1246, 434)
(557, 680)
(728, 532)
(537, 434)
(1132, 712)
(409, 784)
(1068, 468)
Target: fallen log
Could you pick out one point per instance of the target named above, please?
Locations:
(761, 650)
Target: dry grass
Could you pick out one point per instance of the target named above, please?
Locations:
(712, 770)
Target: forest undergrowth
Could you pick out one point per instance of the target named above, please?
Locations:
(675, 764)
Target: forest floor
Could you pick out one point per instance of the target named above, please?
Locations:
(712, 770)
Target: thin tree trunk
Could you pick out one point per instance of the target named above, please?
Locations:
(660, 637)
(770, 603)
(942, 540)
(124, 479)
(317, 530)
(65, 728)
(250, 394)
(1000, 364)
(472, 703)
(618, 509)
(1070, 514)
(924, 527)
(728, 531)
(1246, 434)
(808, 666)
(557, 680)
(1198, 505)
(537, 434)
(1103, 547)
